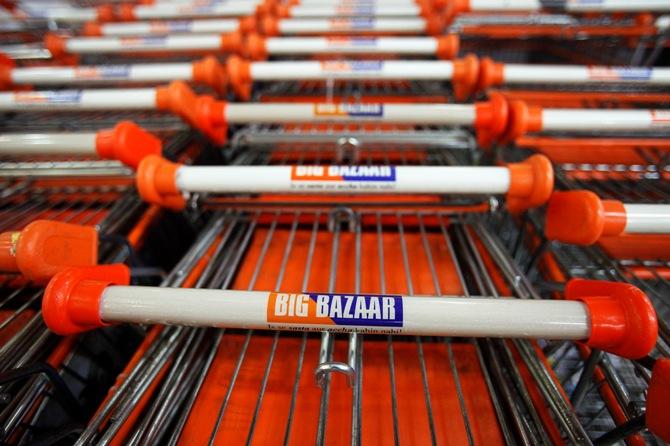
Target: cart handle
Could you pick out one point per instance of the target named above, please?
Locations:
(464, 77)
(44, 248)
(255, 46)
(530, 185)
(619, 317)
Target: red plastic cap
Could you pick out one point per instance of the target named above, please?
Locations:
(247, 25)
(531, 183)
(434, 23)
(201, 112)
(210, 72)
(6, 76)
(106, 13)
(448, 46)
(490, 74)
(256, 48)
(491, 119)
(522, 119)
(239, 73)
(57, 45)
(658, 399)
(270, 26)
(156, 183)
(71, 302)
(232, 43)
(128, 143)
(623, 320)
(580, 217)
(465, 76)
(91, 29)
(127, 13)
(44, 248)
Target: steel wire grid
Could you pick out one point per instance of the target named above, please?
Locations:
(585, 372)
(229, 386)
(348, 90)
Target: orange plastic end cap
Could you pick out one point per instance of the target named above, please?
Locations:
(6, 77)
(45, 247)
(464, 79)
(239, 73)
(270, 26)
(256, 48)
(232, 43)
(448, 46)
(92, 29)
(128, 143)
(623, 320)
(454, 8)
(127, 12)
(491, 119)
(580, 217)
(283, 11)
(106, 13)
(434, 24)
(531, 183)
(156, 183)
(247, 25)
(490, 73)
(210, 72)
(522, 119)
(71, 302)
(57, 45)
(658, 396)
(211, 118)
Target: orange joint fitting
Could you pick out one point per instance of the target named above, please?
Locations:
(270, 26)
(490, 119)
(239, 73)
(490, 74)
(434, 23)
(71, 302)
(106, 13)
(454, 8)
(247, 25)
(156, 183)
(232, 43)
(128, 143)
(283, 11)
(658, 395)
(580, 217)
(623, 320)
(256, 48)
(45, 247)
(202, 113)
(209, 71)
(523, 119)
(267, 7)
(448, 47)
(91, 29)
(464, 78)
(127, 13)
(57, 45)
(6, 74)
(531, 183)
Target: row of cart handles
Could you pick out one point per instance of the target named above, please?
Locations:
(494, 120)
(468, 75)
(612, 316)
(444, 10)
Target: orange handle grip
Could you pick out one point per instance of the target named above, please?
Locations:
(531, 183)
(71, 302)
(623, 319)
(239, 75)
(209, 71)
(491, 119)
(155, 182)
(465, 77)
(580, 217)
(128, 143)
(44, 248)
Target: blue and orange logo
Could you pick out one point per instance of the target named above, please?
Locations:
(343, 173)
(370, 310)
(103, 72)
(48, 97)
(345, 109)
(335, 66)
(619, 73)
